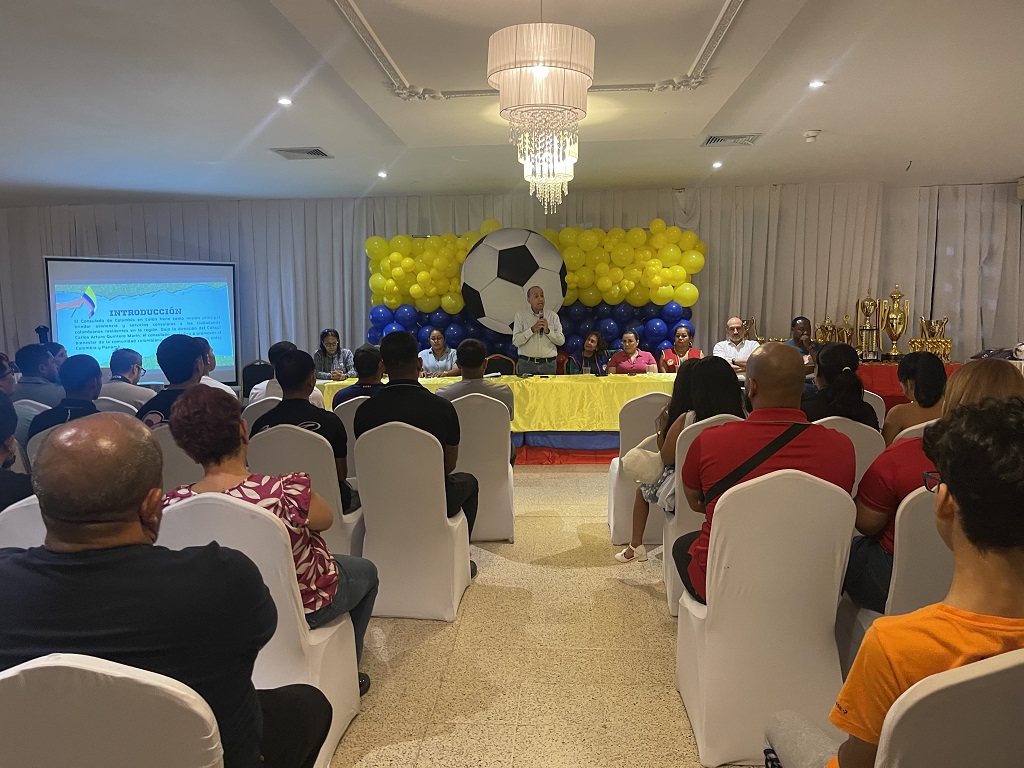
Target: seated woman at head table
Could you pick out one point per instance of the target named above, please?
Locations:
(439, 359)
(631, 359)
(682, 349)
(592, 357)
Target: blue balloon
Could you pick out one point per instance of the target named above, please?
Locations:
(501, 348)
(454, 335)
(440, 319)
(577, 311)
(608, 328)
(672, 312)
(380, 316)
(646, 346)
(406, 316)
(463, 316)
(623, 313)
(655, 331)
(687, 313)
(650, 311)
(604, 309)
(373, 335)
(666, 344)
(687, 324)
(423, 337)
(422, 318)
(568, 327)
(393, 328)
(615, 345)
(573, 344)
(584, 326)
(637, 328)
(473, 329)
(493, 336)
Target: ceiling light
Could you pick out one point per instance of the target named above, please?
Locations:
(717, 164)
(382, 174)
(284, 101)
(816, 83)
(542, 73)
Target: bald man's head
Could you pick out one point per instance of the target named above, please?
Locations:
(775, 376)
(97, 469)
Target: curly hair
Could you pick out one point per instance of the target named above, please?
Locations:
(205, 423)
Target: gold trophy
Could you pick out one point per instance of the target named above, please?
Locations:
(844, 333)
(868, 338)
(896, 318)
(933, 339)
(750, 326)
(825, 332)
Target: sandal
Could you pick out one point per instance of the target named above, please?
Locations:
(639, 554)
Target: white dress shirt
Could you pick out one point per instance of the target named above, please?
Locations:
(212, 382)
(530, 344)
(272, 389)
(732, 352)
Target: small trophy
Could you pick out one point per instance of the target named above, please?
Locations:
(844, 333)
(868, 338)
(896, 318)
(825, 332)
(750, 326)
(933, 339)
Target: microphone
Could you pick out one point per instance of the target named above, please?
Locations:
(540, 316)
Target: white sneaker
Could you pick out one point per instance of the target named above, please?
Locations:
(639, 554)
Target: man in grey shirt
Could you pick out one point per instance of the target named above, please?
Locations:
(125, 372)
(38, 376)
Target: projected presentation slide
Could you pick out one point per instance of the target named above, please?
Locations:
(99, 305)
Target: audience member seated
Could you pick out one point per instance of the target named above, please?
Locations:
(439, 359)
(682, 349)
(126, 372)
(471, 357)
(8, 375)
(978, 452)
(800, 337)
(333, 362)
(703, 388)
(774, 382)
(181, 358)
(272, 388)
(38, 376)
(209, 364)
(369, 370)
(737, 347)
(207, 424)
(592, 357)
(82, 382)
(896, 473)
(296, 373)
(922, 377)
(60, 354)
(404, 399)
(198, 615)
(839, 388)
(631, 359)
(14, 486)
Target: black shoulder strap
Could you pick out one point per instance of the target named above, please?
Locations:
(754, 461)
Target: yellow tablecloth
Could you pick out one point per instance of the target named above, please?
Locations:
(560, 403)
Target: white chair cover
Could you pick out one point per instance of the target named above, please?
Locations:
(347, 413)
(259, 408)
(922, 570)
(21, 525)
(915, 431)
(484, 452)
(765, 642)
(179, 469)
(683, 520)
(422, 556)
(288, 448)
(868, 443)
(26, 410)
(34, 443)
(876, 402)
(69, 709)
(637, 421)
(106, 404)
(324, 657)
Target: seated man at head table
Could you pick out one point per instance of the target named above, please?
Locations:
(800, 337)
(369, 370)
(126, 372)
(271, 388)
(737, 347)
(199, 615)
(14, 486)
(82, 382)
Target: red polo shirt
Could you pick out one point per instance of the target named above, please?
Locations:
(893, 476)
(717, 451)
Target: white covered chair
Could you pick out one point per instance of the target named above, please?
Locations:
(254, 410)
(915, 431)
(637, 421)
(287, 448)
(179, 469)
(922, 570)
(422, 556)
(26, 411)
(868, 443)
(21, 525)
(484, 452)
(35, 442)
(113, 405)
(683, 520)
(324, 657)
(347, 413)
(765, 641)
(70, 709)
(876, 402)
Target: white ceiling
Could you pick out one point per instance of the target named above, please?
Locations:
(122, 100)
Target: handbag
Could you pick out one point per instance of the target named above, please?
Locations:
(642, 465)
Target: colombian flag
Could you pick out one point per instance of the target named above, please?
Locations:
(90, 299)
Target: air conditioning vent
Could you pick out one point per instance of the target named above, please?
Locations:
(302, 153)
(736, 140)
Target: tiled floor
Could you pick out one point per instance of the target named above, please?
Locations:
(559, 656)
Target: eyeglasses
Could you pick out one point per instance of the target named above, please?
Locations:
(142, 371)
(931, 481)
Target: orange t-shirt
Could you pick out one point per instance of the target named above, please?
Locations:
(899, 651)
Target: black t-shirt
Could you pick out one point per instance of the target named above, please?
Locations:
(409, 401)
(68, 410)
(302, 413)
(14, 486)
(199, 615)
(157, 409)
(355, 390)
(816, 406)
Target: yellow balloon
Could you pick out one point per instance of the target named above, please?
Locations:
(692, 261)
(461, 244)
(441, 263)
(603, 284)
(632, 272)
(617, 234)
(702, 247)
(416, 291)
(636, 237)
(390, 286)
(687, 240)
(644, 253)
(608, 245)
(428, 303)
(678, 275)
(616, 274)
(452, 303)
(573, 255)
(638, 297)
(568, 236)
(428, 257)
(659, 241)
(654, 281)
(673, 233)
(622, 254)
(471, 238)
(408, 264)
(627, 285)
(599, 232)
(570, 297)
(662, 296)
(657, 225)
(687, 294)
(432, 292)
(377, 283)
(435, 243)
(613, 295)
(601, 269)
(423, 278)
(397, 273)
(376, 299)
(587, 241)
(392, 302)
(449, 238)
(604, 257)
(551, 235)
(654, 265)
(590, 258)
(460, 256)
(489, 225)
(669, 255)
(377, 247)
(584, 277)
(442, 285)
(402, 244)
(666, 275)
(590, 297)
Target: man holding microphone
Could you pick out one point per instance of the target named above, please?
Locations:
(536, 334)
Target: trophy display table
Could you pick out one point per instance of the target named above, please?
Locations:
(881, 379)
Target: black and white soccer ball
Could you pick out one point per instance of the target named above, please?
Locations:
(501, 268)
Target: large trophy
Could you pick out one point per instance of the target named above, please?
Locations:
(895, 318)
(868, 338)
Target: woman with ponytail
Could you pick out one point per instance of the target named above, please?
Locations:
(840, 391)
(923, 379)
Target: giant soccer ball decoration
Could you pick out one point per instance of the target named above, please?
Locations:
(502, 267)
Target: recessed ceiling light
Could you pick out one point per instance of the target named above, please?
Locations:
(284, 101)
(816, 83)
(382, 174)
(717, 164)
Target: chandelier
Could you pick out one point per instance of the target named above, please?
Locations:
(542, 73)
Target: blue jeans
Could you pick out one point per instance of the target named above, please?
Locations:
(546, 369)
(357, 591)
